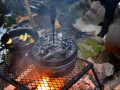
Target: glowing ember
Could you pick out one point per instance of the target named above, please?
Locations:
(47, 84)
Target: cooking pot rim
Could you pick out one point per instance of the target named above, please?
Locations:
(75, 52)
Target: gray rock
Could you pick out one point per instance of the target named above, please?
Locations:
(110, 85)
(95, 14)
(108, 69)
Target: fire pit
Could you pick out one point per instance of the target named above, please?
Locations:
(56, 59)
(30, 78)
(49, 65)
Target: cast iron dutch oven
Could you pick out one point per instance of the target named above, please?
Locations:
(17, 33)
(56, 68)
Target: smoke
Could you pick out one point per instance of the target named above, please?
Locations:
(22, 62)
(90, 29)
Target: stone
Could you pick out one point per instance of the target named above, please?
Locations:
(88, 23)
(88, 87)
(111, 84)
(82, 84)
(88, 81)
(102, 70)
(79, 8)
(108, 69)
(117, 87)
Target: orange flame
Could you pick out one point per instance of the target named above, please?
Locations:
(47, 84)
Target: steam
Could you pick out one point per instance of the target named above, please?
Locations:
(42, 19)
(22, 62)
(81, 25)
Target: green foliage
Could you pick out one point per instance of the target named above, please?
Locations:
(85, 51)
(7, 21)
(97, 48)
(89, 48)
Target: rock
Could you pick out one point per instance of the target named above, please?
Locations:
(99, 40)
(88, 23)
(95, 14)
(88, 81)
(108, 69)
(79, 8)
(110, 85)
(99, 71)
(107, 57)
(117, 87)
(82, 84)
(102, 70)
(88, 87)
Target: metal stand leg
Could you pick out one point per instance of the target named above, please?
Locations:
(100, 85)
(79, 75)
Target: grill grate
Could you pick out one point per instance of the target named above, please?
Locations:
(28, 74)
(16, 69)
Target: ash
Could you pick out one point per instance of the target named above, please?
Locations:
(62, 48)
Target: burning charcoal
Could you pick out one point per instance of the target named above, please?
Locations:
(49, 56)
(63, 45)
(52, 48)
(45, 48)
(88, 87)
(42, 53)
(88, 81)
(69, 48)
(82, 84)
(60, 54)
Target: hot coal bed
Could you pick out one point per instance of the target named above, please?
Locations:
(46, 66)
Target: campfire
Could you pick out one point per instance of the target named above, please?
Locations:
(31, 78)
(49, 64)
(34, 80)
(46, 66)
